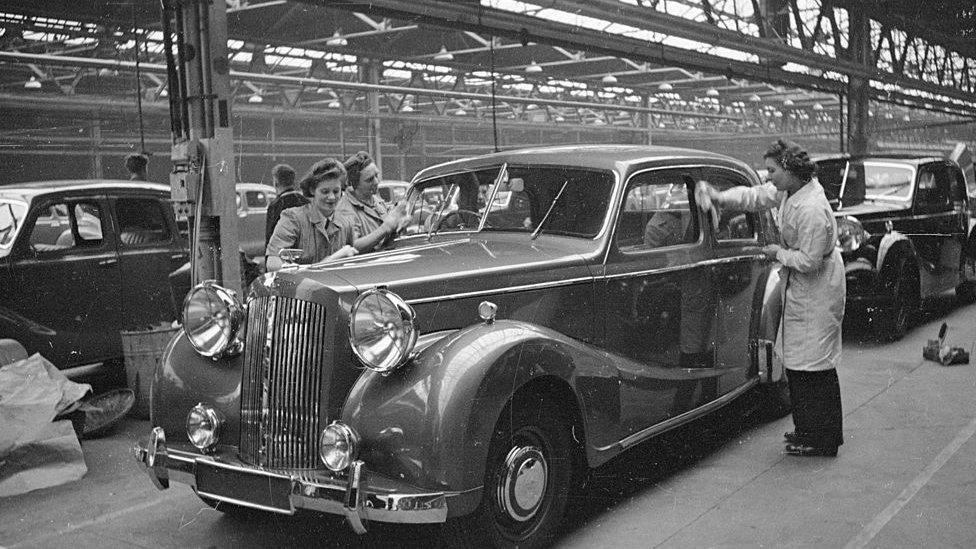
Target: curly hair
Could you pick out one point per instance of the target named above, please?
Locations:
(792, 158)
(329, 168)
(354, 166)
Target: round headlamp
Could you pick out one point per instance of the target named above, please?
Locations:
(850, 234)
(381, 330)
(203, 425)
(213, 319)
(338, 446)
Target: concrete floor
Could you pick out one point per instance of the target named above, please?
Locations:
(906, 477)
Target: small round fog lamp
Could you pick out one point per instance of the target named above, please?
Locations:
(338, 446)
(203, 425)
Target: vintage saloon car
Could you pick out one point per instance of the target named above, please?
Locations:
(82, 260)
(903, 228)
(472, 373)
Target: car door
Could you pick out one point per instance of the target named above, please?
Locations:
(150, 248)
(935, 228)
(660, 301)
(67, 282)
(736, 267)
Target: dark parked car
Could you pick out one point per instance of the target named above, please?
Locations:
(472, 374)
(903, 227)
(82, 260)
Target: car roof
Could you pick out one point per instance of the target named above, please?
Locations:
(28, 190)
(609, 157)
(255, 187)
(912, 159)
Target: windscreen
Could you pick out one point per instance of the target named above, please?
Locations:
(533, 200)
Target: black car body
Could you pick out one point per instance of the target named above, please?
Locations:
(80, 261)
(903, 225)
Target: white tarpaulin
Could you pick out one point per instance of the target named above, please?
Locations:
(34, 452)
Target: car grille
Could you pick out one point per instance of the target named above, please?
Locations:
(281, 384)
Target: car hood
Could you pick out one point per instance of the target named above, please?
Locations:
(456, 265)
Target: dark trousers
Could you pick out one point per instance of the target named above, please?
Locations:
(817, 413)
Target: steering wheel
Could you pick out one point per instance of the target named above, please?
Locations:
(459, 219)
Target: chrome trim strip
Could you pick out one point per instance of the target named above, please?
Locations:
(684, 267)
(681, 419)
(248, 504)
(523, 287)
(952, 213)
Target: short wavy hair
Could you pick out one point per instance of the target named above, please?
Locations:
(284, 176)
(329, 168)
(792, 158)
(136, 163)
(354, 165)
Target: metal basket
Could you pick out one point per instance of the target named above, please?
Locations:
(142, 350)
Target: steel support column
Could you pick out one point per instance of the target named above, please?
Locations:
(858, 88)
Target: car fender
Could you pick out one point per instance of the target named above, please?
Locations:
(184, 379)
(892, 251)
(430, 423)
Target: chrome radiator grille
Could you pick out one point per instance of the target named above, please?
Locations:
(281, 385)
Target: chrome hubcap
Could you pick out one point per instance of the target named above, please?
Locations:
(523, 483)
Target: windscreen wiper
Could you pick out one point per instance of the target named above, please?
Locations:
(499, 179)
(545, 218)
(440, 210)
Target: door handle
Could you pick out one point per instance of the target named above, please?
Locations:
(178, 256)
(107, 262)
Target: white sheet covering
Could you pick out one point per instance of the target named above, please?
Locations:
(34, 452)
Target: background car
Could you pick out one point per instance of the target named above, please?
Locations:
(252, 211)
(391, 191)
(82, 260)
(473, 373)
(903, 228)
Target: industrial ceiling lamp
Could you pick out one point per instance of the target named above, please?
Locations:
(788, 103)
(533, 67)
(256, 98)
(817, 107)
(443, 55)
(665, 87)
(334, 104)
(32, 84)
(754, 98)
(460, 112)
(609, 79)
(337, 39)
(711, 92)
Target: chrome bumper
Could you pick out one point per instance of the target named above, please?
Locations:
(358, 497)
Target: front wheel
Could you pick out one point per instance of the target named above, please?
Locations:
(533, 465)
(893, 322)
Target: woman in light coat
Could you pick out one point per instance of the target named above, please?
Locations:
(815, 291)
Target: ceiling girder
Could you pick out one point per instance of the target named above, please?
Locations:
(528, 28)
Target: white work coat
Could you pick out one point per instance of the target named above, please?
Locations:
(815, 281)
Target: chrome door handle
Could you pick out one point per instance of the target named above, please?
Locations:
(107, 262)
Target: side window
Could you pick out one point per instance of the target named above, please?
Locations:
(933, 189)
(141, 221)
(256, 199)
(733, 224)
(66, 225)
(656, 212)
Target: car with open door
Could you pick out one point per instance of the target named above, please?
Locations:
(471, 374)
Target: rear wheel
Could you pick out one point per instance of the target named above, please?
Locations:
(533, 465)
